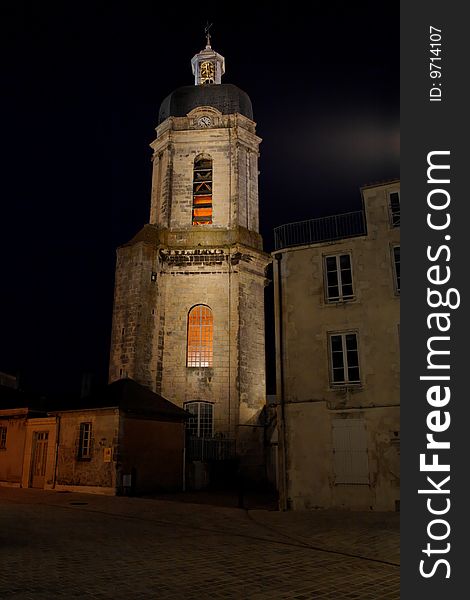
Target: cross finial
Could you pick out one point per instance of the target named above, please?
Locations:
(208, 35)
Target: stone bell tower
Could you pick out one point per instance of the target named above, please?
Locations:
(188, 317)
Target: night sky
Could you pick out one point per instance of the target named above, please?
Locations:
(82, 85)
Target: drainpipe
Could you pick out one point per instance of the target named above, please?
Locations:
(283, 488)
(184, 457)
(57, 440)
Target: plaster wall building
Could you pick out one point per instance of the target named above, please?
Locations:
(188, 318)
(337, 302)
(27, 450)
(24, 428)
(12, 441)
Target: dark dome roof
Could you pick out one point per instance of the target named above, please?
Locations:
(225, 97)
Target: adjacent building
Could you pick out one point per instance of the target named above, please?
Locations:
(121, 439)
(337, 302)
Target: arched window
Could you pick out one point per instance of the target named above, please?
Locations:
(202, 191)
(200, 336)
(200, 424)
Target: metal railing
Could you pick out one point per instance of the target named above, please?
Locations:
(206, 449)
(324, 229)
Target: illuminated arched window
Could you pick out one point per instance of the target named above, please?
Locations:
(200, 336)
(202, 191)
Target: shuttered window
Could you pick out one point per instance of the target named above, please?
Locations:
(394, 200)
(3, 438)
(396, 264)
(351, 462)
(202, 192)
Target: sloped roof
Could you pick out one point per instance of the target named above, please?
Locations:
(14, 398)
(131, 398)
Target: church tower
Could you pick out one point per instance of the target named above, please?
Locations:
(188, 317)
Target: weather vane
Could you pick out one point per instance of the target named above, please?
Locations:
(207, 32)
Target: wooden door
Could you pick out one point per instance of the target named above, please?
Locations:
(38, 466)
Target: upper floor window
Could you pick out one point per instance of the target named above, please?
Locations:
(3, 438)
(200, 336)
(396, 263)
(394, 200)
(84, 441)
(201, 422)
(344, 358)
(202, 191)
(338, 276)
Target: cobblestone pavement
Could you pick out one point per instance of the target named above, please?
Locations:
(68, 545)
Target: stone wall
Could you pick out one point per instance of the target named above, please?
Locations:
(134, 314)
(150, 327)
(238, 372)
(233, 147)
(94, 472)
(171, 266)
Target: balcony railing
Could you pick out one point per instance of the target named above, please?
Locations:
(208, 449)
(324, 229)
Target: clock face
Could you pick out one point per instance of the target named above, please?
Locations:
(207, 72)
(204, 121)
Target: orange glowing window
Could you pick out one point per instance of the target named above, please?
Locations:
(202, 192)
(200, 336)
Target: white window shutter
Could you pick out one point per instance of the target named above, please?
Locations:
(350, 457)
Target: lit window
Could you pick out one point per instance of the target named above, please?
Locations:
(202, 192)
(200, 424)
(338, 276)
(3, 438)
(396, 262)
(200, 336)
(394, 199)
(84, 441)
(344, 358)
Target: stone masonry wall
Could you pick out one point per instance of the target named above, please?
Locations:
(220, 265)
(133, 330)
(93, 472)
(185, 288)
(233, 148)
(251, 365)
(238, 371)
